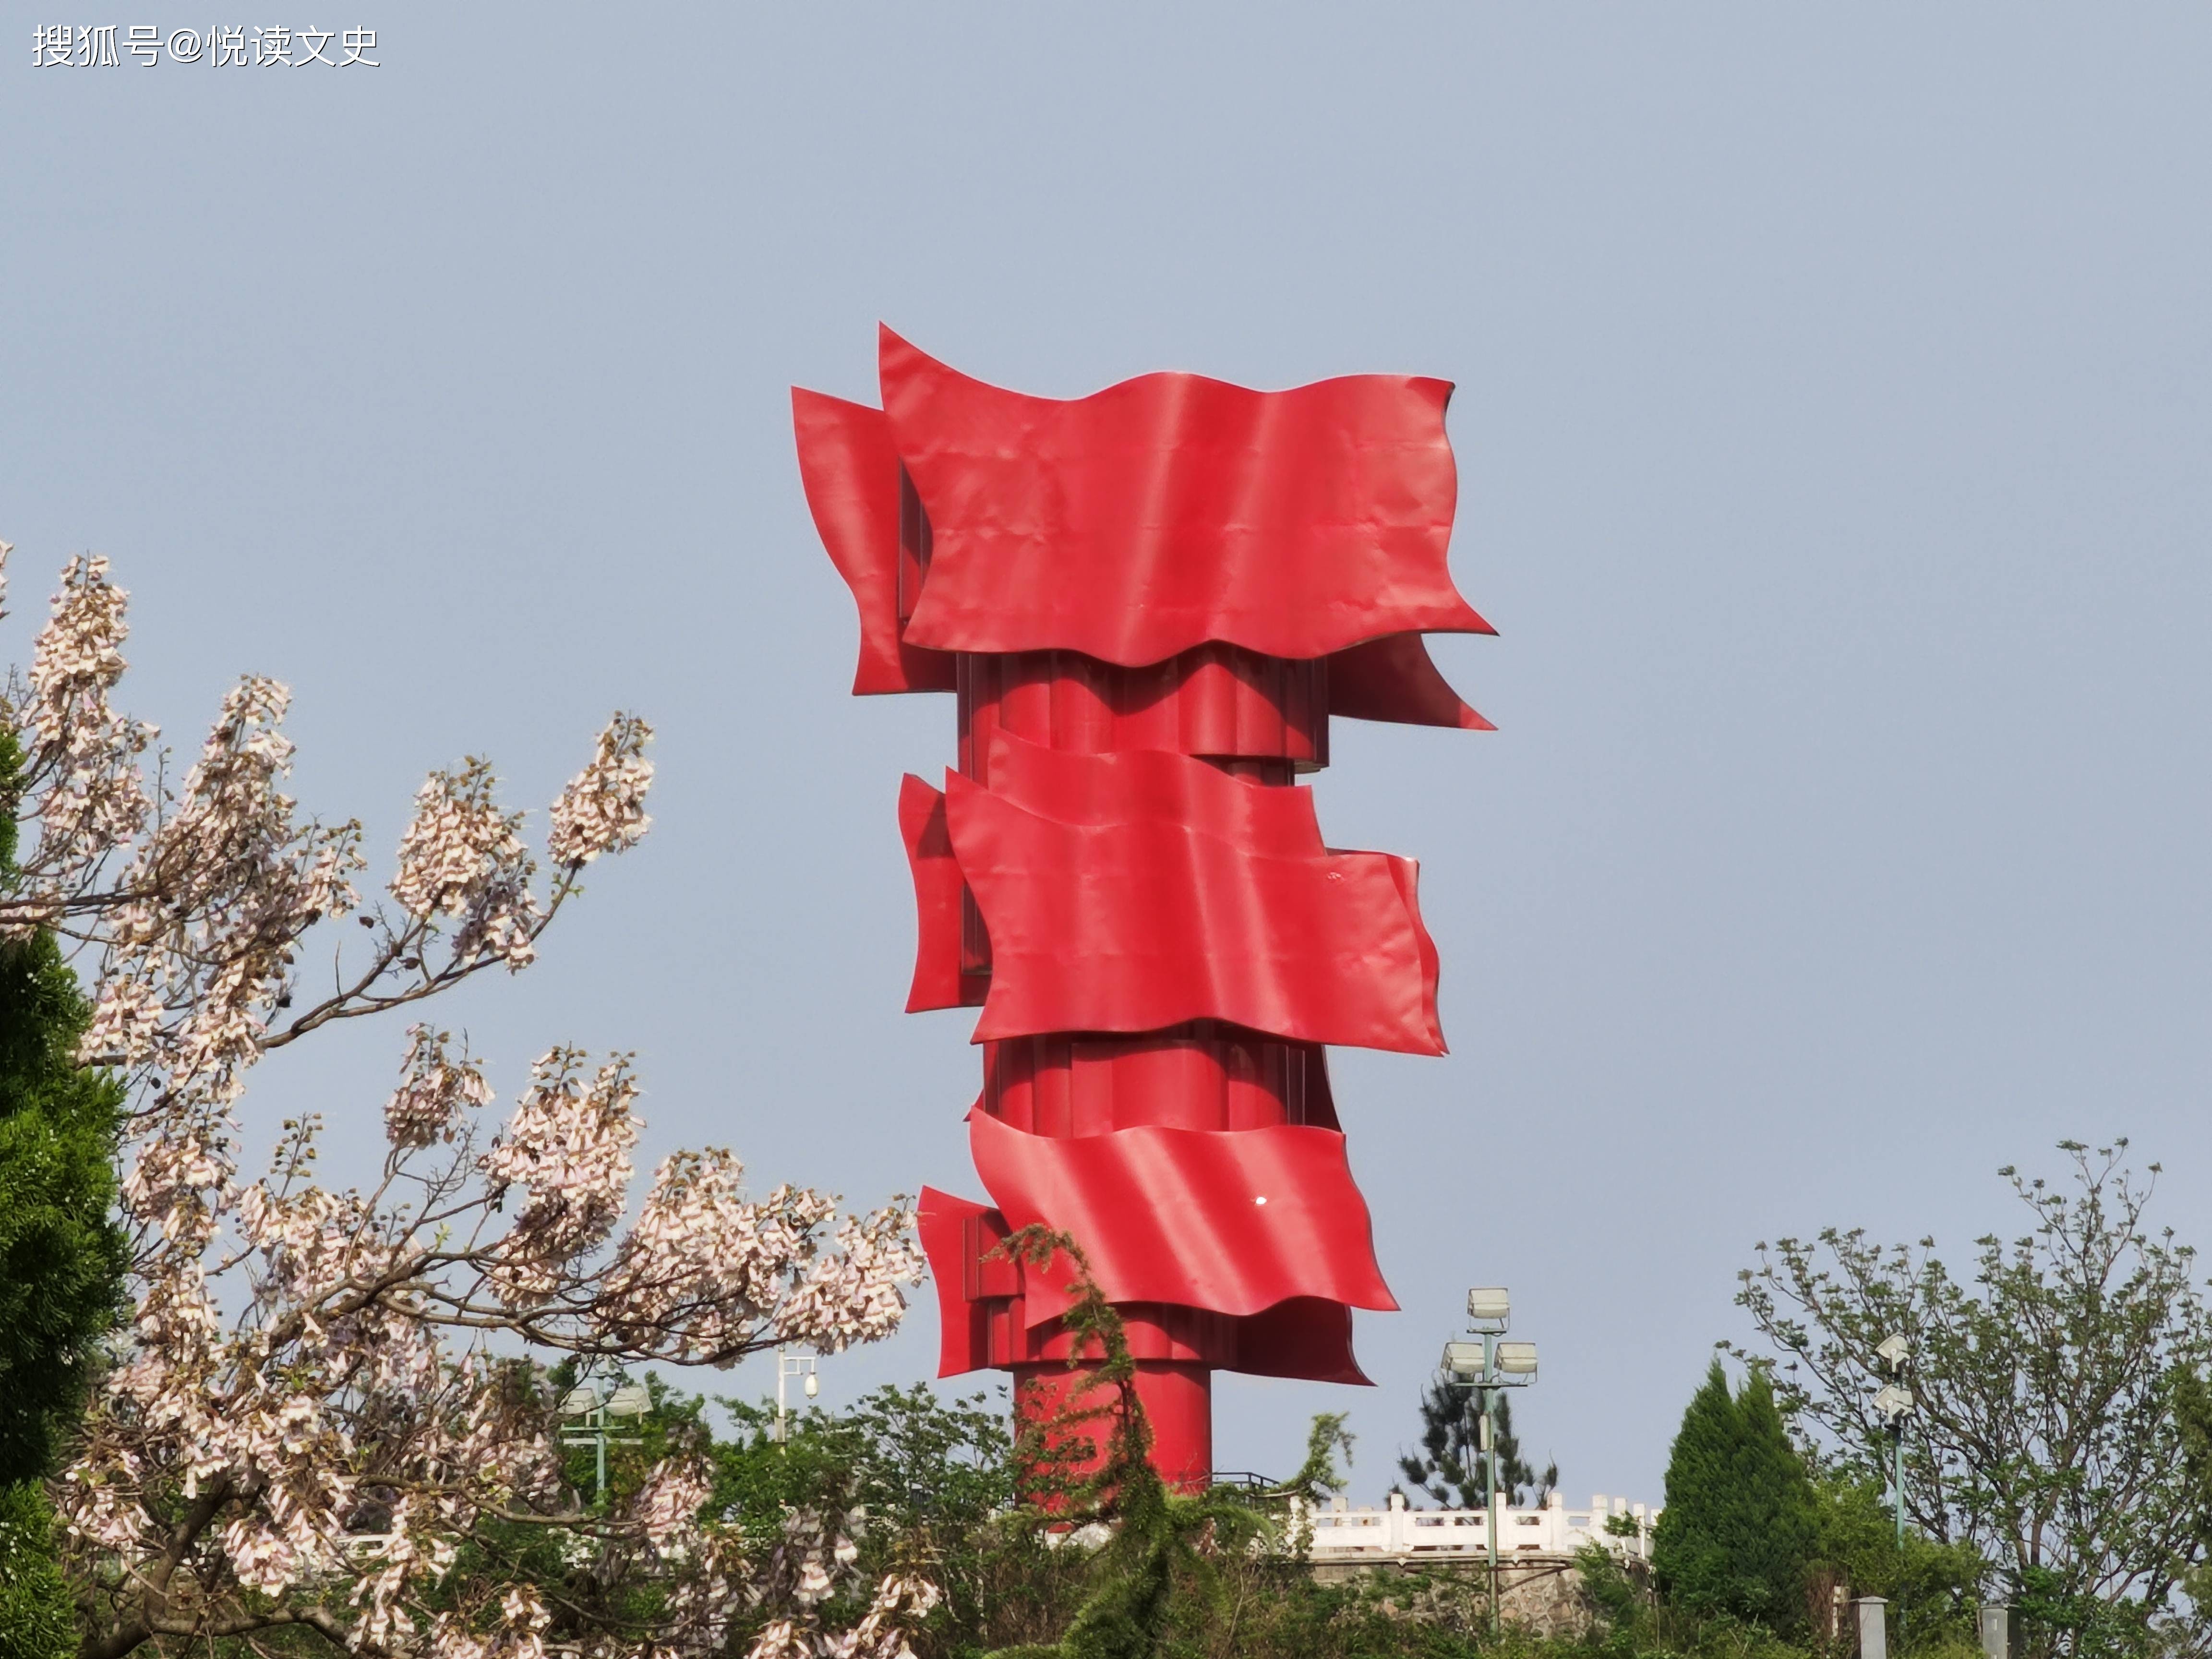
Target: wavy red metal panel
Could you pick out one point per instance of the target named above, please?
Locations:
(1231, 1221)
(938, 895)
(1136, 927)
(983, 1325)
(850, 472)
(1172, 510)
(1396, 679)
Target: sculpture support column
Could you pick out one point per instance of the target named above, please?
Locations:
(1177, 1400)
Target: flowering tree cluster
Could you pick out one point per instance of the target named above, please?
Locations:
(325, 1394)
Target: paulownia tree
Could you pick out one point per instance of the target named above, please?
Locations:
(325, 1393)
(2044, 1433)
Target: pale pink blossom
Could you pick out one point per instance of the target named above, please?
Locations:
(568, 1148)
(462, 858)
(602, 808)
(320, 1397)
(665, 1508)
(436, 1093)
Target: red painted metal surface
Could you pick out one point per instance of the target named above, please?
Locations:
(1206, 1075)
(1172, 511)
(1149, 602)
(851, 477)
(1137, 925)
(1146, 924)
(1178, 1403)
(983, 1299)
(1236, 1220)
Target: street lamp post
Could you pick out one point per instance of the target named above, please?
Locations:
(630, 1400)
(1485, 1367)
(1895, 1403)
(788, 1365)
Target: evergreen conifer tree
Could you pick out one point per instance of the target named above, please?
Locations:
(62, 1255)
(1742, 1520)
(1448, 1467)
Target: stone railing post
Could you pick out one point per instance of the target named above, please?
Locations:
(1996, 1630)
(1874, 1629)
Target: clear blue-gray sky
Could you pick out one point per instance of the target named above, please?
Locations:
(1833, 428)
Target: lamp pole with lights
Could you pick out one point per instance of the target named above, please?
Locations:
(630, 1400)
(1485, 1366)
(1895, 1402)
(788, 1365)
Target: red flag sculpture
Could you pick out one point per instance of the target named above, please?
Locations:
(1148, 603)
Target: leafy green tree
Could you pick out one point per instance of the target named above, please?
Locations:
(1741, 1525)
(37, 1620)
(930, 1476)
(62, 1256)
(1932, 1588)
(1447, 1465)
(2044, 1433)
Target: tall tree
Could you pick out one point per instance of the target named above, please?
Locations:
(319, 1402)
(62, 1255)
(1741, 1525)
(2044, 1433)
(1447, 1465)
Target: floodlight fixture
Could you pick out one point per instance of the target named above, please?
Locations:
(1517, 1361)
(1894, 1401)
(1893, 1353)
(631, 1400)
(579, 1402)
(1466, 1361)
(1489, 1306)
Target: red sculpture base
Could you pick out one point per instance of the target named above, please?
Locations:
(1178, 1402)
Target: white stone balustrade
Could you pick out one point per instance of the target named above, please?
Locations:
(1400, 1535)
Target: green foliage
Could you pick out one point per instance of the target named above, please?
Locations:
(935, 1482)
(2046, 1434)
(1318, 1478)
(62, 1257)
(1160, 1562)
(931, 1478)
(1449, 1467)
(1933, 1588)
(2191, 1403)
(1739, 1526)
(37, 1621)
